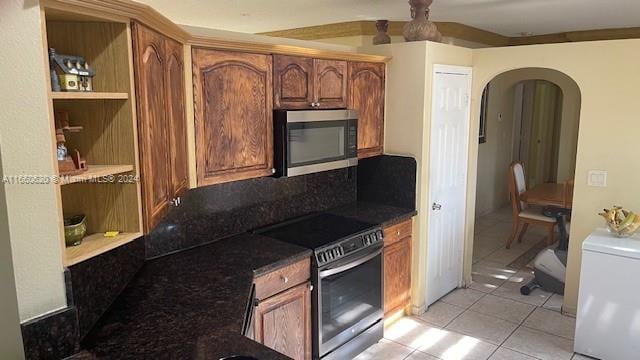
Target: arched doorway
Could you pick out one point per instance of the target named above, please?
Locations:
(529, 115)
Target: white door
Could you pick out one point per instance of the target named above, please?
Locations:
(450, 120)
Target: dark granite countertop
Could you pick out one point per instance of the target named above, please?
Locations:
(191, 305)
(374, 213)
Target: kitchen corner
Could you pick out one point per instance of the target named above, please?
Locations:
(190, 298)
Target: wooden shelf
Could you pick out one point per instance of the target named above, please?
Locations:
(96, 244)
(62, 95)
(95, 171)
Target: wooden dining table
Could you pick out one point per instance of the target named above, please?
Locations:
(549, 194)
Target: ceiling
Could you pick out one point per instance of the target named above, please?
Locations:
(506, 17)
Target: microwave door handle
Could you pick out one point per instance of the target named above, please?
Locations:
(350, 265)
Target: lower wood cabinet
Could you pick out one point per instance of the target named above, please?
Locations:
(282, 316)
(283, 322)
(397, 268)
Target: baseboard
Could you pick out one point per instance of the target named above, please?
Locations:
(569, 311)
(418, 310)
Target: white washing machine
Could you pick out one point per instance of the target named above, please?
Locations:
(608, 318)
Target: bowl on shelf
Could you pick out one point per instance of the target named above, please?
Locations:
(620, 222)
(75, 228)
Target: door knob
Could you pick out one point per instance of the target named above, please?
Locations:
(436, 207)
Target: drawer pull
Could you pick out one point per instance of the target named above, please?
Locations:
(284, 279)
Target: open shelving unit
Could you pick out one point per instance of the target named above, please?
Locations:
(108, 139)
(96, 173)
(72, 95)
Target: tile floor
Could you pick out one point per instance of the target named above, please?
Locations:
(491, 319)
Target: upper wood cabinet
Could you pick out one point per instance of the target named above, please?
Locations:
(305, 83)
(233, 105)
(292, 82)
(176, 111)
(366, 94)
(159, 69)
(330, 83)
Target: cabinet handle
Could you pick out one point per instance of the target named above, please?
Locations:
(284, 279)
(398, 233)
(310, 287)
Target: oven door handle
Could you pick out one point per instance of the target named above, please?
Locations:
(350, 265)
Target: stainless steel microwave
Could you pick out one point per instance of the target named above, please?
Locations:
(309, 141)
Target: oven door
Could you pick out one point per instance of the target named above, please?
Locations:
(349, 299)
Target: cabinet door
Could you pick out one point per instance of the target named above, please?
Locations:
(397, 275)
(233, 98)
(330, 83)
(177, 120)
(283, 322)
(366, 86)
(153, 133)
(292, 82)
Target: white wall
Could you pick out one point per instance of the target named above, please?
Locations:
(496, 154)
(25, 135)
(408, 129)
(607, 74)
(10, 335)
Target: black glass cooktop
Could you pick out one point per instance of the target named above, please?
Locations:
(315, 231)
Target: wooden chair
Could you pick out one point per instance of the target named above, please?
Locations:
(568, 194)
(522, 214)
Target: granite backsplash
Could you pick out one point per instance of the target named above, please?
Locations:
(97, 282)
(388, 180)
(215, 212)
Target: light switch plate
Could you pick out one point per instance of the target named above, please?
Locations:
(597, 178)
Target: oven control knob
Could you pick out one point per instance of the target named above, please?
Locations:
(330, 254)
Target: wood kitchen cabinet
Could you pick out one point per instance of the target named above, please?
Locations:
(397, 267)
(283, 322)
(282, 317)
(292, 82)
(330, 85)
(159, 78)
(306, 83)
(366, 94)
(233, 102)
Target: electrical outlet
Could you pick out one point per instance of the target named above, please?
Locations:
(597, 178)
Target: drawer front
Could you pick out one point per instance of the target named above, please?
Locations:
(395, 233)
(282, 279)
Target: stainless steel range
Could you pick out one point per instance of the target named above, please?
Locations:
(347, 297)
